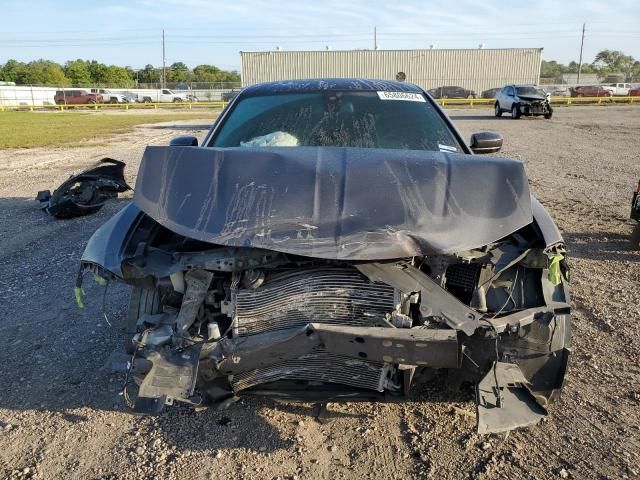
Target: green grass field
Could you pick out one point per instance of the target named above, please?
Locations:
(31, 129)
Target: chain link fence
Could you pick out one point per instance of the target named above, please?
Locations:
(48, 95)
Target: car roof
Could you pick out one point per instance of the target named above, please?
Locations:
(329, 84)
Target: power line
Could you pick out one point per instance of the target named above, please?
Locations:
(326, 35)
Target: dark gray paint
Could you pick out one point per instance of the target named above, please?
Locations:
(334, 203)
(105, 246)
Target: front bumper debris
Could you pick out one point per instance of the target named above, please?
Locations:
(86, 192)
(503, 401)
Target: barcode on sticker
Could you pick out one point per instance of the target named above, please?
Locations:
(405, 96)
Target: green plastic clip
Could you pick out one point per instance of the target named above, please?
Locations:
(555, 272)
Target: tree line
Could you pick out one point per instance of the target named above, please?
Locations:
(85, 73)
(605, 63)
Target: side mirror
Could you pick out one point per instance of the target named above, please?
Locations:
(486, 142)
(184, 141)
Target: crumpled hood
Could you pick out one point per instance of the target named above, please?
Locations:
(334, 203)
(532, 98)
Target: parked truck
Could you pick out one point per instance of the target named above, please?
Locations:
(618, 89)
(110, 96)
(165, 96)
(76, 97)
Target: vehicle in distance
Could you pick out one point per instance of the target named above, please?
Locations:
(131, 97)
(618, 89)
(558, 90)
(490, 93)
(227, 95)
(452, 92)
(634, 92)
(336, 239)
(528, 100)
(164, 96)
(591, 91)
(109, 96)
(76, 97)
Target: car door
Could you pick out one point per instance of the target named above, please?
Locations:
(509, 97)
(501, 97)
(74, 97)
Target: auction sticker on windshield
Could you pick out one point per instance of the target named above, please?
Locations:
(406, 96)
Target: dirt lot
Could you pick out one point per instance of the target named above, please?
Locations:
(62, 417)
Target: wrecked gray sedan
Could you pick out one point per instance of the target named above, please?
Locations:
(335, 239)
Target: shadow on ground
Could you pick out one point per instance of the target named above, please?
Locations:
(477, 117)
(613, 246)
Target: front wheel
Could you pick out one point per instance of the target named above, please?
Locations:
(497, 110)
(141, 301)
(515, 112)
(177, 100)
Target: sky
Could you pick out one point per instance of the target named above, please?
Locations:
(129, 32)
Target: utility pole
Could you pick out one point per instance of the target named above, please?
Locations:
(580, 61)
(164, 64)
(375, 38)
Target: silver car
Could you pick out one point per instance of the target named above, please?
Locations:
(523, 100)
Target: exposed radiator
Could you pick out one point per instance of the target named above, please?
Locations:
(463, 275)
(319, 366)
(338, 296)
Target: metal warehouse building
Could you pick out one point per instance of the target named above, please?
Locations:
(474, 69)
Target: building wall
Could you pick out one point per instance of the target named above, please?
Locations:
(475, 69)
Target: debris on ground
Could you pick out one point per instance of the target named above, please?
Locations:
(86, 192)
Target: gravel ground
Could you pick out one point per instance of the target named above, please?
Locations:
(61, 415)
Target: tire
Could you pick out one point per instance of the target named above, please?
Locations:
(579, 95)
(177, 100)
(550, 114)
(141, 301)
(92, 102)
(515, 112)
(497, 109)
(635, 237)
(113, 100)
